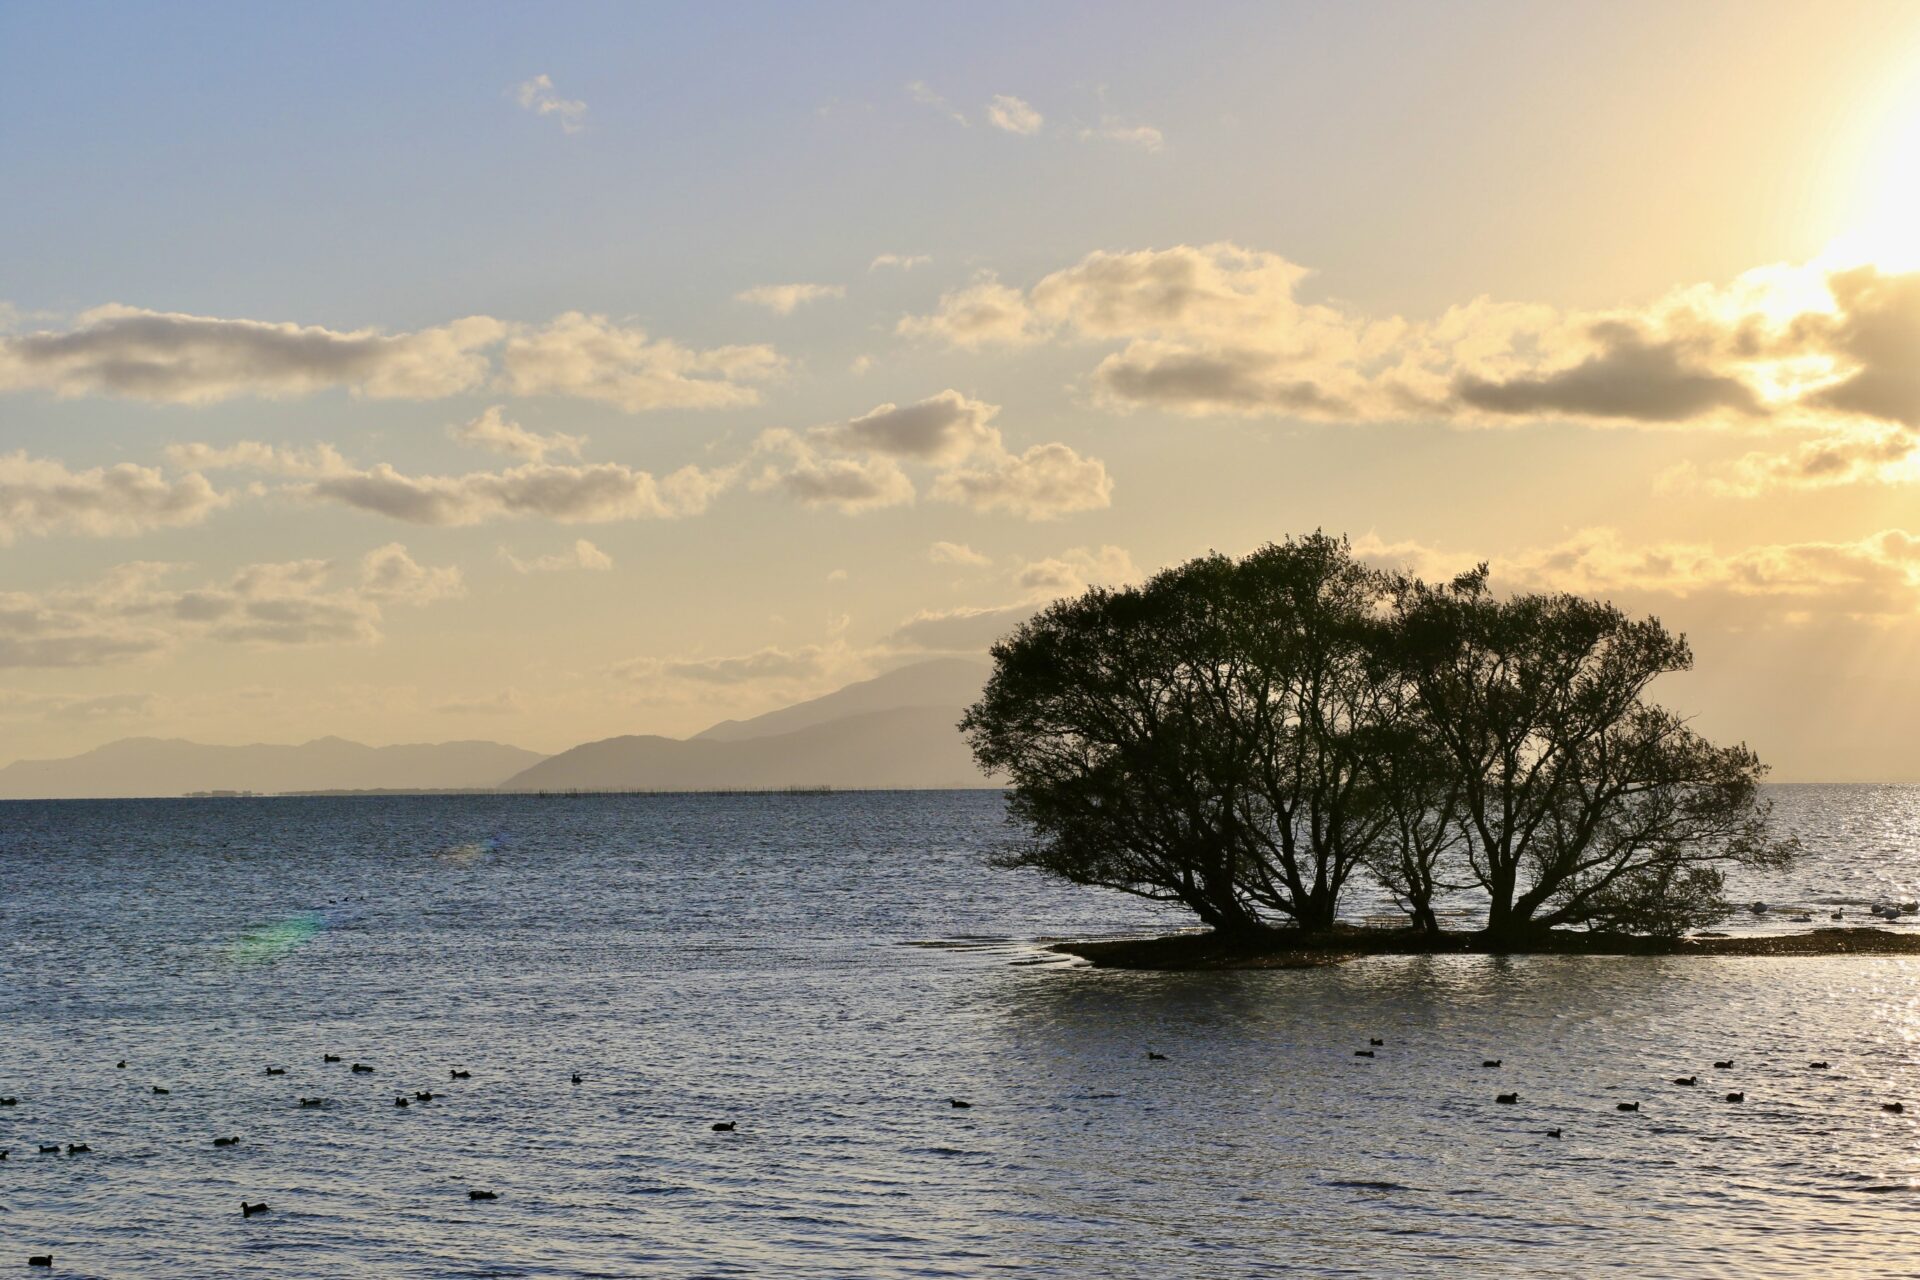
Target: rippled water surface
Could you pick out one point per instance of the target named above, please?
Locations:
(766, 960)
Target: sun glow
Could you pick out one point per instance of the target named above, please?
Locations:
(1886, 231)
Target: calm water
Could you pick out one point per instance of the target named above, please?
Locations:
(763, 960)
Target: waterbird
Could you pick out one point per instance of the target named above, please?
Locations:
(1758, 908)
(1155, 1057)
(1686, 1079)
(162, 1092)
(1626, 1106)
(461, 1075)
(1837, 915)
(78, 1148)
(1736, 1097)
(1491, 1062)
(40, 1260)
(1506, 1099)
(1802, 919)
(276, 1071)
(311, 1102)
(1895, 1107)
(1363, 1053)
(423, 1095)
(401, 1102)
(1376, 1042)
(225, 1142)
(723, 1126)
(120, 1065)
(46, 1150)
(361, 1068)
(9, 1102)
(957, 1104)
(3, 1153)
(329, 1057)
(483, 1195)
(1724, 1066)
(1553, 1133)
(578, 1078)
(1816, 1066)
(248, 1210)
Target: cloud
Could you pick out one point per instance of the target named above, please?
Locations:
(571, 494)
(19, 704)
(252, 455)
(507, 702)
(849, 486)
(1825, 463)
(921, 93)
(956, 553)
(40, 497)
(537, 95)
(1045, 482)
(943, 427)
(493, 432)
(135, 610)
(1629, 378)
(900, 261)
(582, 555)
(592, 358)
(782, 299)
(968, 630)
(1114, 129)
(984, 314)
(1013, 115)
(186, 359)
(1073, 571)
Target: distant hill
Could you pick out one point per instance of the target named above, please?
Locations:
(904, 747)
(940, 682)
(174, 766)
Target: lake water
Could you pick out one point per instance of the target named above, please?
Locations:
(827, 972)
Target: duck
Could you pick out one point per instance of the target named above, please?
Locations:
(312, 1102)
(1506, 1099)
(78, 1148)
(1688, 1080)
(225, 1142)
(1736, 1097)
(460, 1075)
(3, 1153)
(276, 1071)
(361, 1068)
(9, 1102)
(1816, 1066)
(120, 1065)
(1376, 1042)
(957, 1104)
(401, 1102)
(423, 1095)
(1758, 908)
(483, 1195)
(1553, 1133)
(1836, 915)
(1626, 1106)
(39, 1259)
(578, 1078)
(723, 1126)
(1724, 1066)
(1491, 1062)
(248, 1210)
(1363, 1053)
(46, 1150)
(1802, 919)
(159, 1092)
(330, 1057)
(1155, 1057)
(1895, 1107)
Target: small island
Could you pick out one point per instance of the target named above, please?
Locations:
(1249, 738)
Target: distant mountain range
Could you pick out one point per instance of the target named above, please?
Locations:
(896, 730)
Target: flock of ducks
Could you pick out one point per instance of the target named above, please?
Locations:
(249, 1209)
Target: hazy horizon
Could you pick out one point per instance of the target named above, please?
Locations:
(539, 377)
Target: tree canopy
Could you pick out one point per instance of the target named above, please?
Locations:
(1244, 737)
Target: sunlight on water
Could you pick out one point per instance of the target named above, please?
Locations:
(271, 942)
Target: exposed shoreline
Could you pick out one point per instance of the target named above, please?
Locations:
(1290, 949)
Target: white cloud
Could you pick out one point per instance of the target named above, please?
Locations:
(596, 359)
(581, 555)
(40, 497)
(1013, 115)
(389, 574)
(19, 704)
(984, 314)
(1074, 570)
(782, 299)
(956, 553)
(583, 494)
(900, 261)
(943, 427)
(537, 95)
(847, 485)
(923, 94)
(1113, 129)
(252, 455)
(968, 630)
(186, 359)
(1045, 482)
(492, 431)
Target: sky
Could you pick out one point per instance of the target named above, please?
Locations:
(539, 374)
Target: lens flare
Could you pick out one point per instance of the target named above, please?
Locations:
(270, 942)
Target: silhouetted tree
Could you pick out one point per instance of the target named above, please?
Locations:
(1581, 802)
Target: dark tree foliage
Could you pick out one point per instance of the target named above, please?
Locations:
(1243, 736)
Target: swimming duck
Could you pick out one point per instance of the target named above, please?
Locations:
(1837, 915)
(1736, 1097)
(1724, 1066)
(3, 1153)
(120, 1065)
(1686, 1079)
(483, 1195)
(1816, 1066)
(40, 1260)
(1491, 1062)
(1553, 1133)
(330, 1057)
(1626, 1106)
(311, 1102)
(1758, 908)
(360, 1068)
(578, 1078)
(1895, 1107)
(1363, 1053)
(46, 1150)
(225, 1142)
(1376, 1042)
(78, 1148)
(1506, 1099)
(9, 1102)
(461, 1075)
(724, 1126)
(1155, 1057)
(248, 1210)
(957, 1104)
(423, 1095)
(161, 1092)
(276, 1071)
(401, 1102)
